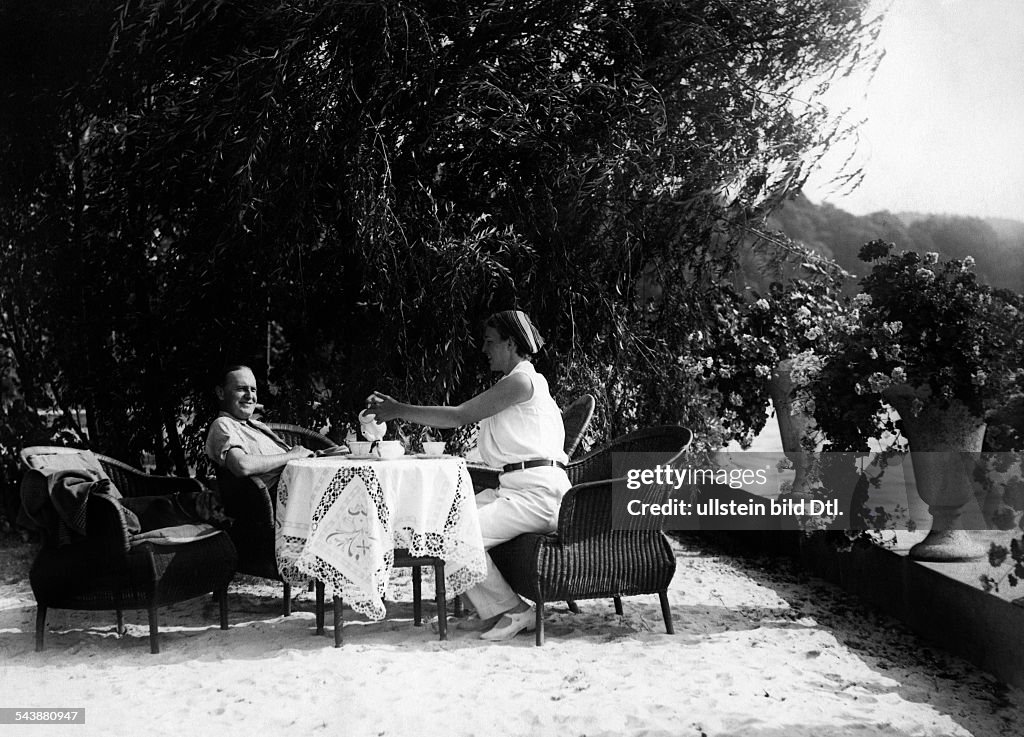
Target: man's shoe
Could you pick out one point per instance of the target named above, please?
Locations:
(510, 625)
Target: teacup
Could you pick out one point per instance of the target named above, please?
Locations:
(360, 447)
(390, 449)
(432, 448)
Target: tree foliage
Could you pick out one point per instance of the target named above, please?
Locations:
(338, 192)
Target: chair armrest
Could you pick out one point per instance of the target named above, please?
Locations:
(484, 477)
(132, 483)
(147, 485)
(586, 511)
(106, 527)
(246, 499)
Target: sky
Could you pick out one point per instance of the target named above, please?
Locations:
(943, 127)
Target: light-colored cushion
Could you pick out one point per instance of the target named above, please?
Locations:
(177, 535)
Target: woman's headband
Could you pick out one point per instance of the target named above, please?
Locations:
(516, 324)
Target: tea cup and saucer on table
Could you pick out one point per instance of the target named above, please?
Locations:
(384, 449)
(433, 448)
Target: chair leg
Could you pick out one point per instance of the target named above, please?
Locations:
(40, 626)
(222, 601)
(573, 606)
(457, 610)
(666, 612)
(337, 622)
(311, 585)
(287, 599)
(154, 631)
(417, 601)
(319, 607)
(442, 601)
(120, 622)
(540, 623)
(618, 605)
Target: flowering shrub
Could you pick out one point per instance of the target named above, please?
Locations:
(927, 326)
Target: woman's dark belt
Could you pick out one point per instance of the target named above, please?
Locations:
(522, 466)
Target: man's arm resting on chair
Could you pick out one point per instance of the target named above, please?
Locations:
(241, 463)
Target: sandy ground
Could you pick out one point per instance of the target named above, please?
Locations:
(760, 650)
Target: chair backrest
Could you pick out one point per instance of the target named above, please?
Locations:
(576, 418)
(587, 508)
(669, 440)
(298, 435)
(56, 457)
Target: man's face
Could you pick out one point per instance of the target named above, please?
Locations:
(237, 394)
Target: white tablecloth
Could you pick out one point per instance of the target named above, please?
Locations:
(340, 520)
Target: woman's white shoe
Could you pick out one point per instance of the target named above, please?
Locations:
(510, 625)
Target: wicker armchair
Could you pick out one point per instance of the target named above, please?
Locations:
(106, 571)
(585, 558)
(253, 507)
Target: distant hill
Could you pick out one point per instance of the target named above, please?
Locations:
(997, 245)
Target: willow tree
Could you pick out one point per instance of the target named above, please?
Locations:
(339, 191)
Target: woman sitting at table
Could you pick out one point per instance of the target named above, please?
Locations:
(520, 426)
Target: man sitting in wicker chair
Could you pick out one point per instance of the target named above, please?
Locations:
(241, 444)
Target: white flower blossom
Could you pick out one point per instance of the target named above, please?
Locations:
(892, 327)
(931, 258)
(879, 382)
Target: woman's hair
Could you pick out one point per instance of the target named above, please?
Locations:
(516, 324)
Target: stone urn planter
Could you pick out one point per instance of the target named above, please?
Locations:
(945, 444)
(793, 427)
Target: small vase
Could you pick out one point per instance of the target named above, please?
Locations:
(944, 444)
(793, 427)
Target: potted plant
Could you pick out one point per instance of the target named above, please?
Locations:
(925, 338)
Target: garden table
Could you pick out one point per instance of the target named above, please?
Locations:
(340, 519)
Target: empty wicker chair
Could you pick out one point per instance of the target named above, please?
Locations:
(107, 570)
(585, 558)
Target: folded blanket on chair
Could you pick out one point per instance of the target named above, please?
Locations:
(56, 503)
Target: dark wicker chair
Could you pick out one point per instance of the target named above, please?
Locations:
(585, 558)
(252, 506)
(105, 572)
